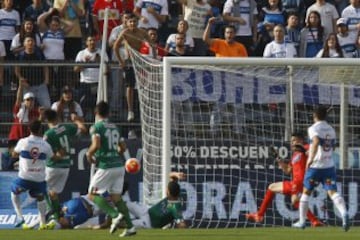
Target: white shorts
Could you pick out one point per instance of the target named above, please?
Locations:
(109, 180)
(56, 178)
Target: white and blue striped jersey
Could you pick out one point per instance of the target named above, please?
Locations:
(8, 22)
(33, 151)
(352, 15)
(327, 136)
(54, 45)
(347, 44)
(160, 6)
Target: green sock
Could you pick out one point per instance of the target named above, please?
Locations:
(121, 206)
(55, 205)
(49, 203)
(103, 204)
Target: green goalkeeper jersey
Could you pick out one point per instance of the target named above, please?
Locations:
(59, 138)
(165, 212)
(107, 156)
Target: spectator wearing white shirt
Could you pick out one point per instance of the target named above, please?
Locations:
(352, 13)
(328, 15)
(9, 25)
(242, 14)
(346, 39)
(117, 73)
(196, 13)
(54, 40)
(27, 28)
(151, 13)
(331, 48)
(89, 76)
(67, 108)
(279, 48)
(182, 28)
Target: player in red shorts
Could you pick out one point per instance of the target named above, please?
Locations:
(296, 167)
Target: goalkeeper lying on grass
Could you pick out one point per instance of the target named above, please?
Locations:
(167, 211)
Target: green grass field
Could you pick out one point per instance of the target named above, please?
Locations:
(276, 233)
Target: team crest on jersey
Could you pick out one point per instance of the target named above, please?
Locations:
(35, 153)
(296, 158)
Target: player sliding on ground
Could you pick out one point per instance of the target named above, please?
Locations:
(77, 211)
(296, 167)
(166, 211)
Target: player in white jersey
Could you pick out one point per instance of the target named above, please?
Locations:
(33, 152)
(321, 168)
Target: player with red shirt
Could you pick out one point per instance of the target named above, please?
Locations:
(116, 9)
(296, 167)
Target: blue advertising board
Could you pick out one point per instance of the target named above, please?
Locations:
(222, 193)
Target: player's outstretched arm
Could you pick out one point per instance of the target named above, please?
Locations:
(175, 176)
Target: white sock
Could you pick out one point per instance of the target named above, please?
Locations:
(303, 207)
(136, 209)
(15, 199)
(339, 203)
(42, 211)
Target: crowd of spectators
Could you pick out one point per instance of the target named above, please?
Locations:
(71, 30)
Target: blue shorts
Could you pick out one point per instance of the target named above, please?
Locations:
(36, 189)
(326, 176)
(76, 211)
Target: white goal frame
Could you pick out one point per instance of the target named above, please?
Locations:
(329, 64)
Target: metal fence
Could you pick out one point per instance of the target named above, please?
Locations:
(61, 74)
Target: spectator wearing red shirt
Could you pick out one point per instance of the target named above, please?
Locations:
(24, 112)
(152, 48)
(296, 167)
(116, 9)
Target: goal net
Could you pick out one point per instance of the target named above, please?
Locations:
(218, 121)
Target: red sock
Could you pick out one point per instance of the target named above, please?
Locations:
(265, 203)
(311, 216)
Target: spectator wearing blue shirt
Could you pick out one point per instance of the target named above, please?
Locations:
(35, 10)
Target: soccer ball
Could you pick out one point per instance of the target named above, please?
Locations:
(132, 165)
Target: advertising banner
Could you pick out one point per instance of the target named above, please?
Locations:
(213, 190)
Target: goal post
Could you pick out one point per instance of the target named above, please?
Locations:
(217, 119)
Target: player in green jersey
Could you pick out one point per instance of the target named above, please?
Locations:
(79, 212)
(57, 171)
(106, 150)
(166, 211)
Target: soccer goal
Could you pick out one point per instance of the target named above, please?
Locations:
(217, 119)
